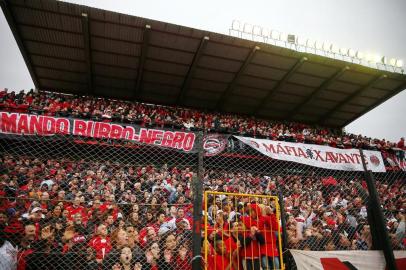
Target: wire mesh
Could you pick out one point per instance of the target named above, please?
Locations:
(71, 203)
(392, 195)
(325, 209)
(133, 191)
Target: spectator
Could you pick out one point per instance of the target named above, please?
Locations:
(101, 243)
(154, 260)
(119, 240)
(180, 118)
(126, 260)
(8, 253)
(219, 259)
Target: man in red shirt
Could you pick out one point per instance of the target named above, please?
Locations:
(220, 258)
(76, 208)
(269, 251)
(401, 143)
(251, 251)
(101, 243)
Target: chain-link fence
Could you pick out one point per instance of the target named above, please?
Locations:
(80, 203)
(324, 209)
(74, 202)
(391, 187)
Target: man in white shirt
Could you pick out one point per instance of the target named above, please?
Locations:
(8, 254)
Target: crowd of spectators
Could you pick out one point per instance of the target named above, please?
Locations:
(110, 110)
(65, 214)
(82, 214)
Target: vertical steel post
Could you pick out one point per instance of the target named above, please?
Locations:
(380, 235)
(197, 207)
(283, 223)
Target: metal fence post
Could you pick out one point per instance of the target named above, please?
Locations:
(197, 207)
(379, 234)
(283, 224)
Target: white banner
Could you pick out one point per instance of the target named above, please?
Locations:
(345, 260)
(317, 155)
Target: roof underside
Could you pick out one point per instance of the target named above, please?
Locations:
(81, 50)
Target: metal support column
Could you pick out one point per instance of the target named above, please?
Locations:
(197, 207)
(283, 224)
(380, 234)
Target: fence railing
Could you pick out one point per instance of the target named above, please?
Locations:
(72, 202)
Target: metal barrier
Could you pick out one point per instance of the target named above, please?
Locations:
(242, 231)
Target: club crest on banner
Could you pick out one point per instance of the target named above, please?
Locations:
(214, 144)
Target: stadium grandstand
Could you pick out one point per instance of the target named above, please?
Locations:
(149, 145)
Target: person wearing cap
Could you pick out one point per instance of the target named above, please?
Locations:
(36, 218)
(181, 225)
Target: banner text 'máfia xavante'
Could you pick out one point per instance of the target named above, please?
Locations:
(317, 155)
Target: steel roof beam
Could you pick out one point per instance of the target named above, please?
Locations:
(143, 58)
(315, 93)
(336, 108)
(281, 83)
(88, 53)
(232, 84)
(62, 80)
(5, 6)
(192, 68)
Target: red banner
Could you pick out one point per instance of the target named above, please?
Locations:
(41, 125)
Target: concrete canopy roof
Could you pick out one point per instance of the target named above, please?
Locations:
(87, 51)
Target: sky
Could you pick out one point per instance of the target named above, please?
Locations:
(375, 26)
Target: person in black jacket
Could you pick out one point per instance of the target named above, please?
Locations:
(45, 255)
(119, 240)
